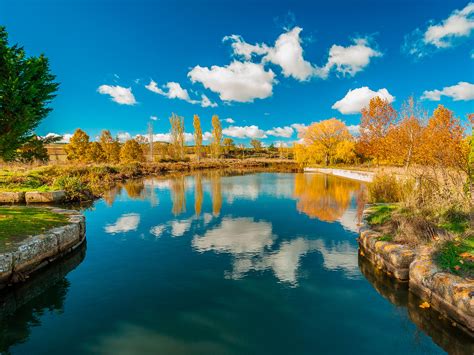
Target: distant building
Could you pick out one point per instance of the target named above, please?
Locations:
(57, 152)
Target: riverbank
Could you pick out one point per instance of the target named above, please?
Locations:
(86, 182)
(441, 275)
(39, 237)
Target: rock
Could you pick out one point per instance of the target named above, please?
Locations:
(12, 197)
(45, 197)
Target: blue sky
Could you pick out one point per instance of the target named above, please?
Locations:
(282, 64)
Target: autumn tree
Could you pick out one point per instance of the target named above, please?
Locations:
(110, 147)
(377, 118)
(95, 153)
(324, 138)
(177, 137)
(197, 137)
(27, 88)
(77, 148)
(405, 138)
(131, 152)
(256, 144)
(216, 137)
(228, 145)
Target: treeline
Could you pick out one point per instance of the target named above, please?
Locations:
(388, 137)
(107, 149)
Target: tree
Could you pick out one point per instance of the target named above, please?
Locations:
(77, 148)
(131, 152)
(405, 138)
(228, 145)
(26, 89)
(197, 136)
(216, 137)
(256, 144)
(376, 120)
(95, 153)
(177, 137)
(325, 137)
(35, 149)
(110, 146)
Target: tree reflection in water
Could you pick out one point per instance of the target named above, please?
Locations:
(22, 306)
(324, 196)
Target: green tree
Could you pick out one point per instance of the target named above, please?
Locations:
(131, 152)
(77, 148)
(110, 146)
(26, 89)
(197, 136)
(95, 153)
(216, 137)
(228, 145)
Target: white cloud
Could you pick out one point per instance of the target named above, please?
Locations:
(244, 132)
(157, 231)
(462, 91)
(174, 90)
(206, 136)
(355, 100)
(354, 129)
(238, 81)
(178, 228)
(153, 118)
(119, 94)
(65, 138)
(299, 127)
(205, 102)
(348, 60)
(229, 120)
(288, 54)
(459, 25)
(124, 136)
(241, 48)
(286, 132)
(125, 223)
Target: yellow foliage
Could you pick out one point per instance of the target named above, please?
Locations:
(131, 152)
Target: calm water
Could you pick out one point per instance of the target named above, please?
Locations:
(213, 264)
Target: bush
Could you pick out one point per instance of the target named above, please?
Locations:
(74, 188)
(385, 188)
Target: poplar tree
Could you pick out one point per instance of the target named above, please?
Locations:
(216, 137)
(197, 136)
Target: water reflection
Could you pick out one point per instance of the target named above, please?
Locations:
(324, 197)
(22, 308)
(126, 223)
(440, 329)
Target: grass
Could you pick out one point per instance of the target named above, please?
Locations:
(458, 256)
(380, 214)
(385, 238)
(25, 221)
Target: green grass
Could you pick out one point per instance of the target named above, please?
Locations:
(458, 256)
(385, 238)
(25, 221)
(379, 214)
(456, 222)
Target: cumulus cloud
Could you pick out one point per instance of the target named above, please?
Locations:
(244, 132)
(299, 127)
(65, 138)
(458, 26)
(153, 118)
(229, 120)
(118, 94)
(357, 99)
(238, 81)
(354, 129)
(462, 91)
(126, 223)
(348, 60)
(286, 132)
(173, 90)
(246, 50)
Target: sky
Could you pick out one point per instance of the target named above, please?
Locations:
(266, 68)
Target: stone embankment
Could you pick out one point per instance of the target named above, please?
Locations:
(364, 176)
(451, 295)
(32, 197)
(35, 252)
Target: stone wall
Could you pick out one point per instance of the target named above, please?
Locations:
(32, 197)
(37, 251)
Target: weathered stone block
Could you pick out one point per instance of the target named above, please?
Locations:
(12, 197)
(44, 197)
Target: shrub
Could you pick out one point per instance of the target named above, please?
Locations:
(385, 188)
(74, 188)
